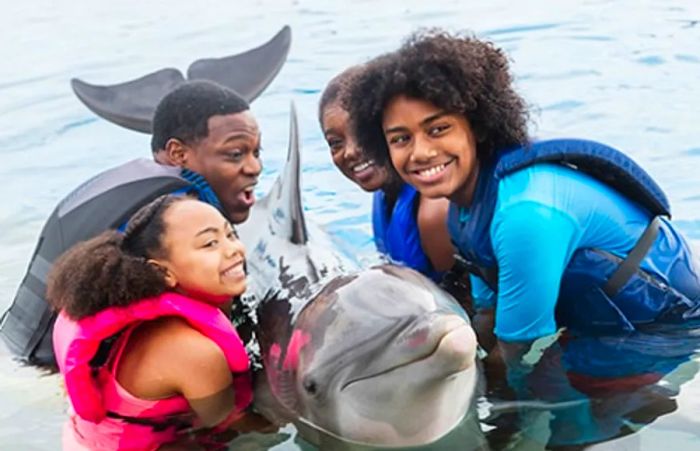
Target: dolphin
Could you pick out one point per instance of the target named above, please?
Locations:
(284, 249)
(131, 104)
(377, 357)
(380, 357)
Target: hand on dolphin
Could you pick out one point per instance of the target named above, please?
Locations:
(131, 104)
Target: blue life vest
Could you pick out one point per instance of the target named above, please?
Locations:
(583, 303)
(396, 233)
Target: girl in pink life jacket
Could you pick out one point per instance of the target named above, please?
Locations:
(146, 351)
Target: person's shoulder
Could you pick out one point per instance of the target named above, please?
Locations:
(176, 338)
(542, 184)
(188, 360)
(541, 171)
(433, 211)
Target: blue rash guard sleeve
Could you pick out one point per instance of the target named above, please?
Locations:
(543, 214)
(532, 243)
(483, 296)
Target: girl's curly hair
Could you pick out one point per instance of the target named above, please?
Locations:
(460, 74)
(111, 269)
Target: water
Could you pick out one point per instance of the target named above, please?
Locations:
(623, 72)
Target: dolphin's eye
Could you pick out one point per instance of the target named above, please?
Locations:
(310, 386)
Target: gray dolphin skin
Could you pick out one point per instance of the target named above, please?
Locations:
(132, 104)
(378, 358)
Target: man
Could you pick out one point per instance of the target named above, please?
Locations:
(209, 130)
(205, 142)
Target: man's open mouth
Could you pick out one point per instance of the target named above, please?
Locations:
(247, 196)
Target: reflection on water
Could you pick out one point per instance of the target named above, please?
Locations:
(614, 387)
(622, 72)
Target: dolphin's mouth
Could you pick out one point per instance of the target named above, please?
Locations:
(454, 332)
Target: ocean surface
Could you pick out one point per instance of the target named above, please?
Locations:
(623, 72)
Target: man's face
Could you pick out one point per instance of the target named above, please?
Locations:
(229, 159)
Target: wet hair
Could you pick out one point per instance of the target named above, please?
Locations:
(111, 270)
(460, 74)
(184, 113)
(338, 89)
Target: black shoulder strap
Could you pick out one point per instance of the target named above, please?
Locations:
(488, 275)
(158, 425)
(103, 202)
(630, 264)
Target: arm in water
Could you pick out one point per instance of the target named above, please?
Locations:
(434, 237)
(533, 244)
(207, 382)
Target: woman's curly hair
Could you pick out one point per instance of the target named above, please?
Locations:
(338, 89)
(111, 270)
(338, 92)
(460, 74)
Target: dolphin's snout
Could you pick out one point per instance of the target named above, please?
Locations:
(447, 338)
(428, 330)
(457, 349)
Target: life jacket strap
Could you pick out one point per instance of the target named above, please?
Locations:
(630, 265)
(488, 275)
(158, 425)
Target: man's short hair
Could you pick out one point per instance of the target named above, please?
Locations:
(184, 112)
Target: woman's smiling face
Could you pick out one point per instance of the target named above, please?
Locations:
(431, 149)
(347, 156)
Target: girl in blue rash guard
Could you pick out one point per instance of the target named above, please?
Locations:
(409, 228)
(557, 233)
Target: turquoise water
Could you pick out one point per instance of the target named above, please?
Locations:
(624, 72)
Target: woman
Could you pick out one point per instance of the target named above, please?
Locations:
(561, 233)
(147, 353)
(409, 228)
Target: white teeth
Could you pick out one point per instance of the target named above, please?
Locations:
(234, 271)
(432, 171)
(362, 166)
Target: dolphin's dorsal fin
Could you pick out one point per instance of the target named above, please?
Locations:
(282, 204)
(291, 184)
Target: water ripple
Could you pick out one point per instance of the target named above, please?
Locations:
(652, 60)
(29, 80)
(40, 136)
(688, 58)
(566, 105)
(522, 29)
(693, 151)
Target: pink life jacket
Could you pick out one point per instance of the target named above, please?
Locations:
(77, 342)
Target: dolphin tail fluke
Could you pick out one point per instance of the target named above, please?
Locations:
(291, 183)
(132, 104)
(247, 73)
